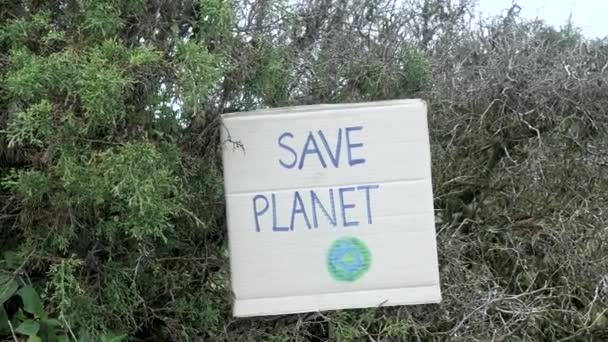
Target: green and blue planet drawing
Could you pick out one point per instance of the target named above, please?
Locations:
(348, 259)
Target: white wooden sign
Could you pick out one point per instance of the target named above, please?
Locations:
(330, 207)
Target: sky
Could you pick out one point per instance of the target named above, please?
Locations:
(589, 15)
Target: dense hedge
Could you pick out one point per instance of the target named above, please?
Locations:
(111, 203)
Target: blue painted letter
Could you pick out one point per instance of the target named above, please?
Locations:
(256, 212)
(295, 156)
(369, 207)
(274, 217)
(350, 146)
(297, 203)
(315, 200)
(346, 206)
(306, 150)
(335, 157)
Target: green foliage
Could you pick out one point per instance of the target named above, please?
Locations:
(30, 32)
(215, 19)
(68, 101)
(143, 57)
(63, 286)
(199, 313)
(101, 86)
(29, 77)
(143, 189)
(271, 75)
(30, 319)
(28, 328)
(31, 185)
(373, 79)
(8, 287)
(31, 301)
(32, 127)
(415, 72)
(112, 204)
(197, 73)
(99, 19)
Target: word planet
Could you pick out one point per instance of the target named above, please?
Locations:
(348, 259)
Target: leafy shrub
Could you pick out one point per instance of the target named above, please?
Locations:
(111, 197)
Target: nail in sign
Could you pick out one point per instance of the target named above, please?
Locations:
(330, 207)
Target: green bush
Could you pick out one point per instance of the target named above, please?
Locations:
(112, 219)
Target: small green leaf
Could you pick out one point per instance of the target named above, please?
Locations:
(19, 316)
(62, 338)
(53, 330)
(53, 323)
(83, 336)
(31, 301)
(52, 336)
(4, 327)
(113, 338)
(11, 260)
(4, 278)
(34, 338)
(28, 328)
(7, 289)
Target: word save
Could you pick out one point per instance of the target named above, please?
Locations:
(335, 206)
(311, 147)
